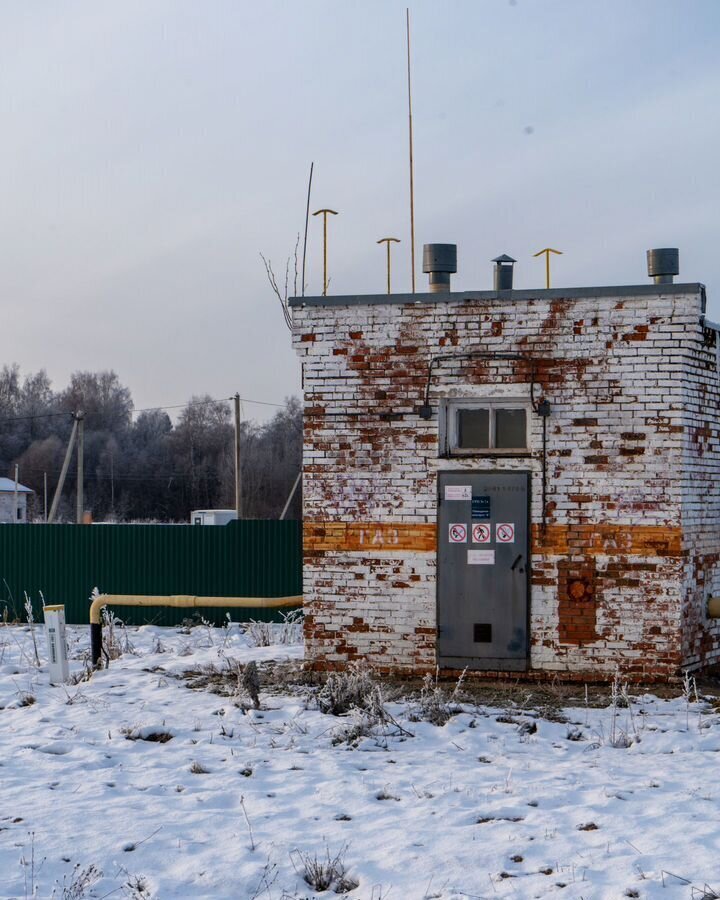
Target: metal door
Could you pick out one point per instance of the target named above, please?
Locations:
(483, 562)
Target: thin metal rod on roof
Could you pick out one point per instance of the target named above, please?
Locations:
(410, 135)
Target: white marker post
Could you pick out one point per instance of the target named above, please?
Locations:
(57, 646)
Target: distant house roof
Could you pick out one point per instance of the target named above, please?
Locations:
(7, 486)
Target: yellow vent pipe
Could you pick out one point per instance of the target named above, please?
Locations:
(184, 601)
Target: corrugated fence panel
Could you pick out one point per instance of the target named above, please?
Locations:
(65, 562)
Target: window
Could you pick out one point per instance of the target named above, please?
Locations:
(485, 426)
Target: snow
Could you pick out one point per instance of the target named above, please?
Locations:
(142, 783)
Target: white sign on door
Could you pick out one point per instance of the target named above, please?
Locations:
(458, 533)
(458, 492)
(481, 557)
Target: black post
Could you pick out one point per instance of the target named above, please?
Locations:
(95, 643)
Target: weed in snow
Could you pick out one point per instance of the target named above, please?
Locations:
(324, 873)
(355, 692)
(76, 885)
(353, 688)
(31, 623)
(434, 705)
(267, 634)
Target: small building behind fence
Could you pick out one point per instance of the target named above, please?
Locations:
(512, 480)
(13, 502)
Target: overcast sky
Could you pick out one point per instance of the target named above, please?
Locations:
(152, 148)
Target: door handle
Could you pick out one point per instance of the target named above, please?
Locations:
(518, 559)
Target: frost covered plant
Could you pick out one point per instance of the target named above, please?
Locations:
(116, 638)
(324, 873)
(353, 688)
(266, 634)
(355, 692)
(76, 885)
(690, 695)
(31, 623)
(620, 699)
(434, 705)
(291, 629)
(208, 626)
(251, 683)
(260, 633)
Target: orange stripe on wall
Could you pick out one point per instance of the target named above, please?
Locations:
(382, 538)
(375, 537)
(607, 540)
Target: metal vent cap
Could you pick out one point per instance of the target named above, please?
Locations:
(439, 258)
(663, 264)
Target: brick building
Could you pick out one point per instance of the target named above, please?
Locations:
(512, 480)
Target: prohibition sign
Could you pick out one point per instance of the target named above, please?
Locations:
(505, 533)
(481, 534)
(458, 533)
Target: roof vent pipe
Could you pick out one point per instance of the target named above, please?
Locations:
(503, 280)
(439, 262)
(663, 264)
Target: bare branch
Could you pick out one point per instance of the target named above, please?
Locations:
(276, 290)
(295, 257)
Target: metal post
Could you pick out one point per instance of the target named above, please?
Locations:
(64, 470)
(45, 497)
(80, 418)
(238, 486)
(56, 643)
(307, 217)
(15, 497)
(547, 251)
(410, 135)
(388, 241)
(325, 213)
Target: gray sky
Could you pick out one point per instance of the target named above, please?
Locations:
(152, 148)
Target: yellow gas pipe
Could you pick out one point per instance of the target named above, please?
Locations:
(177, 600)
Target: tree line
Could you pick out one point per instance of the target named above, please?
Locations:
(142, 466)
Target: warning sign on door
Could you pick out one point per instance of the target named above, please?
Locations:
(505, 533)
(458, 533)
(481, 534)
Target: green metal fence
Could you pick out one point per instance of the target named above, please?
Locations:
(65, 563)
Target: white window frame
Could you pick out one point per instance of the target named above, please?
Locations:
(450, 408)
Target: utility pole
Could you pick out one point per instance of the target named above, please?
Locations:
(15, 497)
(290, 496)
(80, 419)
(238, 486)
(112, 483)
(45, 497)
(64, 470)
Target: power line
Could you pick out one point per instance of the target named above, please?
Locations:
(67, 414)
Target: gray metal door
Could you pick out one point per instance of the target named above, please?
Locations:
(483, 562)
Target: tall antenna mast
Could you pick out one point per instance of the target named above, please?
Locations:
(412, 188)
(307, 219)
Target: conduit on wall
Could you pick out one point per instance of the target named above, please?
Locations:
(177, 600)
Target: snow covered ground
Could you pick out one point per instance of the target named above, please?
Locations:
(232, 802)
